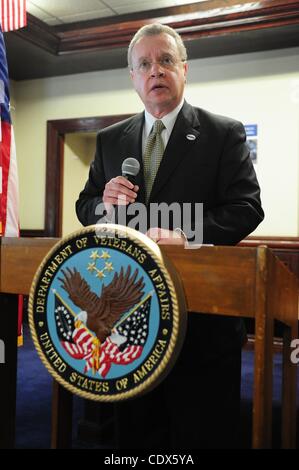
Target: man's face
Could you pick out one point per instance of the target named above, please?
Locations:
(158, 73)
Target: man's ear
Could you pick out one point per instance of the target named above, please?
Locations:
(186, 67)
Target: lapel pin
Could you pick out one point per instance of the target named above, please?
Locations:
(190, 137)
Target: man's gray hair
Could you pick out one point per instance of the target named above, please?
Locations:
(153, 30)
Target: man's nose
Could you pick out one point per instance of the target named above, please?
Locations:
(157, 70)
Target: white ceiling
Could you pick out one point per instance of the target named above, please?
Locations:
(55, 12)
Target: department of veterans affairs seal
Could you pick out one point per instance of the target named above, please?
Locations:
(107, 313)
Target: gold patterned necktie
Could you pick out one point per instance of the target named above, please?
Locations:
(153, 154)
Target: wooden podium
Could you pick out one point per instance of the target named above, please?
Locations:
(234, 281)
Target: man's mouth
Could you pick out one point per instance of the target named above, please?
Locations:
(158, 87)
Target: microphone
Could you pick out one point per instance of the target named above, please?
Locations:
(130, 169)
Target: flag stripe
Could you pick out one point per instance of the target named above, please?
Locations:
(4, 15)
(12, 14)
(12, 215)
(17, 17)
(22, 13)
(4, 162)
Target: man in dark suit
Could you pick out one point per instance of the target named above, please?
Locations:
(205, 160)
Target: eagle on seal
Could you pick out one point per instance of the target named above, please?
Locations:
(103, 311)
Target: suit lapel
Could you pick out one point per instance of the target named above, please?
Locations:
(131, 145)
(185, 135)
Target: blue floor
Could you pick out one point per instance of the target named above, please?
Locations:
(34, 389)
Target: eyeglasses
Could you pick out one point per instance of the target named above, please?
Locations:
(166, 62)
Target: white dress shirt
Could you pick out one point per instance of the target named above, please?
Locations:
(168, 121)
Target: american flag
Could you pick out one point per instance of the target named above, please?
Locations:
(122, 347)
(75, 338)
(128, 338)
(9, 196)
(12, 14)
(9, 192)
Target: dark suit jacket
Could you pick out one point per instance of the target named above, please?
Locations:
(215, 168)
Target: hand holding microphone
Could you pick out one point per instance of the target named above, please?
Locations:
(122, 190)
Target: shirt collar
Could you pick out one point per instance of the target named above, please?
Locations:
(168, 120)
